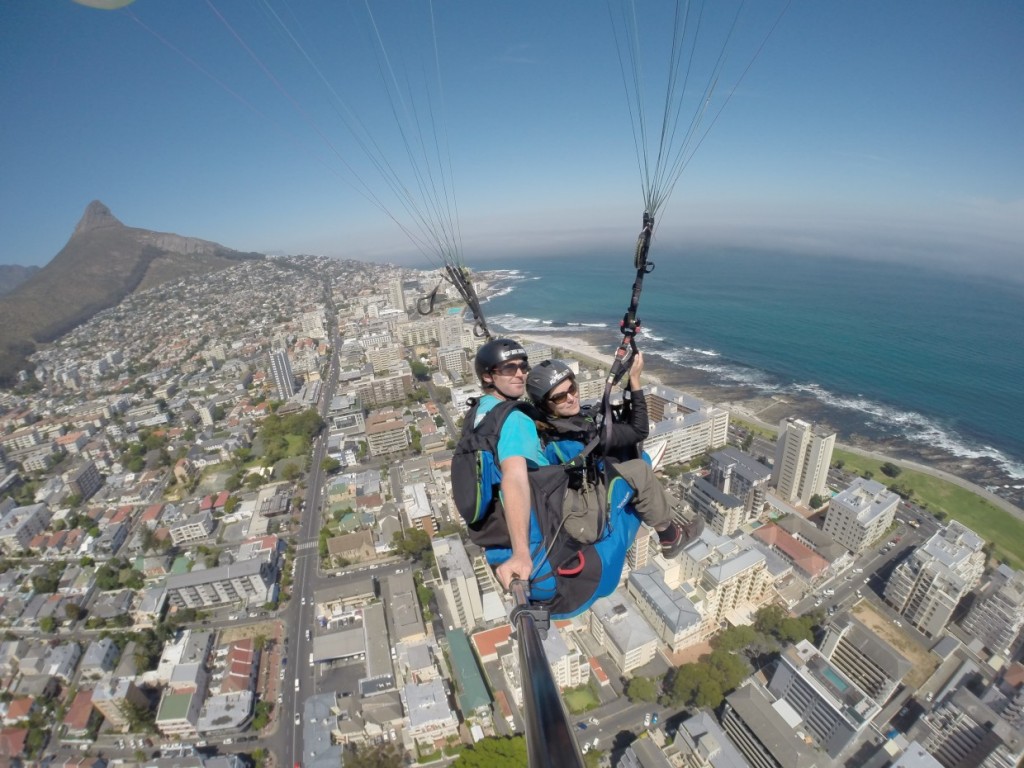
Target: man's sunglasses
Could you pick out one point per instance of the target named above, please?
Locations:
(511, 369)
(561, 397)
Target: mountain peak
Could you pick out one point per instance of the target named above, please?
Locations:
(96, 215)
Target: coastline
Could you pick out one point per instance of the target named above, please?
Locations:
(767, 410)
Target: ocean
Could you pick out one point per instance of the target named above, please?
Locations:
(889, 351)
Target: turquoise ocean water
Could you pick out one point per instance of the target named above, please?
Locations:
(893, 350)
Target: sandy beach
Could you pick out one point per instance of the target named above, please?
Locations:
(766, 410)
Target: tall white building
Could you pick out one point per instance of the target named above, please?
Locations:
(802, 456)
(928, 585)
(861, 514)
(396, 296)
(458, 582)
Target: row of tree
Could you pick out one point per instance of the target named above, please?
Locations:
(735, 652)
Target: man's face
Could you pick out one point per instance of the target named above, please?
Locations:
(510, 378)
(564, 400)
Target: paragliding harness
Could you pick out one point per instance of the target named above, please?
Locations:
(566, 572)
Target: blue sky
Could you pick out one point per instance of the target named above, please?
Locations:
(871, 128)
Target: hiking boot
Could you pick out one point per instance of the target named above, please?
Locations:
(674, 538)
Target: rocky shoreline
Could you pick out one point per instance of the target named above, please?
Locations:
(982, 475)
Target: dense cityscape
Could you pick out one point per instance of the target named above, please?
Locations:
(228, 538)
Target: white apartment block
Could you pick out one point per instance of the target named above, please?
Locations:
(419, 333)
(458, 582)
(429, 718)
(452, 360)
(683, 427)
(861, 514)
(193, 528)
(622, 632)
(802, 457)
(248, 581)
(927, 586)
(19, 525)
(385, 359)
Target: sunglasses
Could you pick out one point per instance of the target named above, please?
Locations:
(511, 369)
(561, 397)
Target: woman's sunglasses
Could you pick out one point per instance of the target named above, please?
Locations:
(561, 397)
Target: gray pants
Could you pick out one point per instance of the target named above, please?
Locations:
(581, 509)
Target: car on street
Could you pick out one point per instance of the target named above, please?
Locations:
(647, 720)
(298, 719)
(581, 726)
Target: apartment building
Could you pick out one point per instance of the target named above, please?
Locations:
(622, 632)
(381, 390)
(281, 374)
(861, 514)
(832, 709)
(385, 359)
(248, 581)
(723, 512)
(764, 737)
(802, 456)
(683, 426)
(875, 666)
(927, 586)
(452, 360)
(386, 433)
(997, 616)
(742, 476)
(458, 582)
(114, 696)
(675, 618)
(419, 333)
(19, 525)
(193, 528)
(964, 732)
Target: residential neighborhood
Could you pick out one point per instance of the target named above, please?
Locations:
(228, 538)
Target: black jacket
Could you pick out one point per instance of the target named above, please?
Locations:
(626, 435)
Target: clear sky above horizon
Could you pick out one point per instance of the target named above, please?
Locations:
(873, 128)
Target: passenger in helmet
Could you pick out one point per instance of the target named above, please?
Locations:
(569, 426)
(502, 365)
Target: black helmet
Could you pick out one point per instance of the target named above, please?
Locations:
(545, 377)
(494, 353)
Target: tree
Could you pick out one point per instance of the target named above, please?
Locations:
(641, 689)
(816, 501)
(414, 543)
(890, 470)
(291, 472)
(47, 624)
(494, 752)
(74, 612)
(330, 464)
(419, 370)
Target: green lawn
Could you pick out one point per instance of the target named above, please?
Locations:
(937, 495)
(580, 699)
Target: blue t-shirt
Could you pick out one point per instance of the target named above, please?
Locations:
(518, 435)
